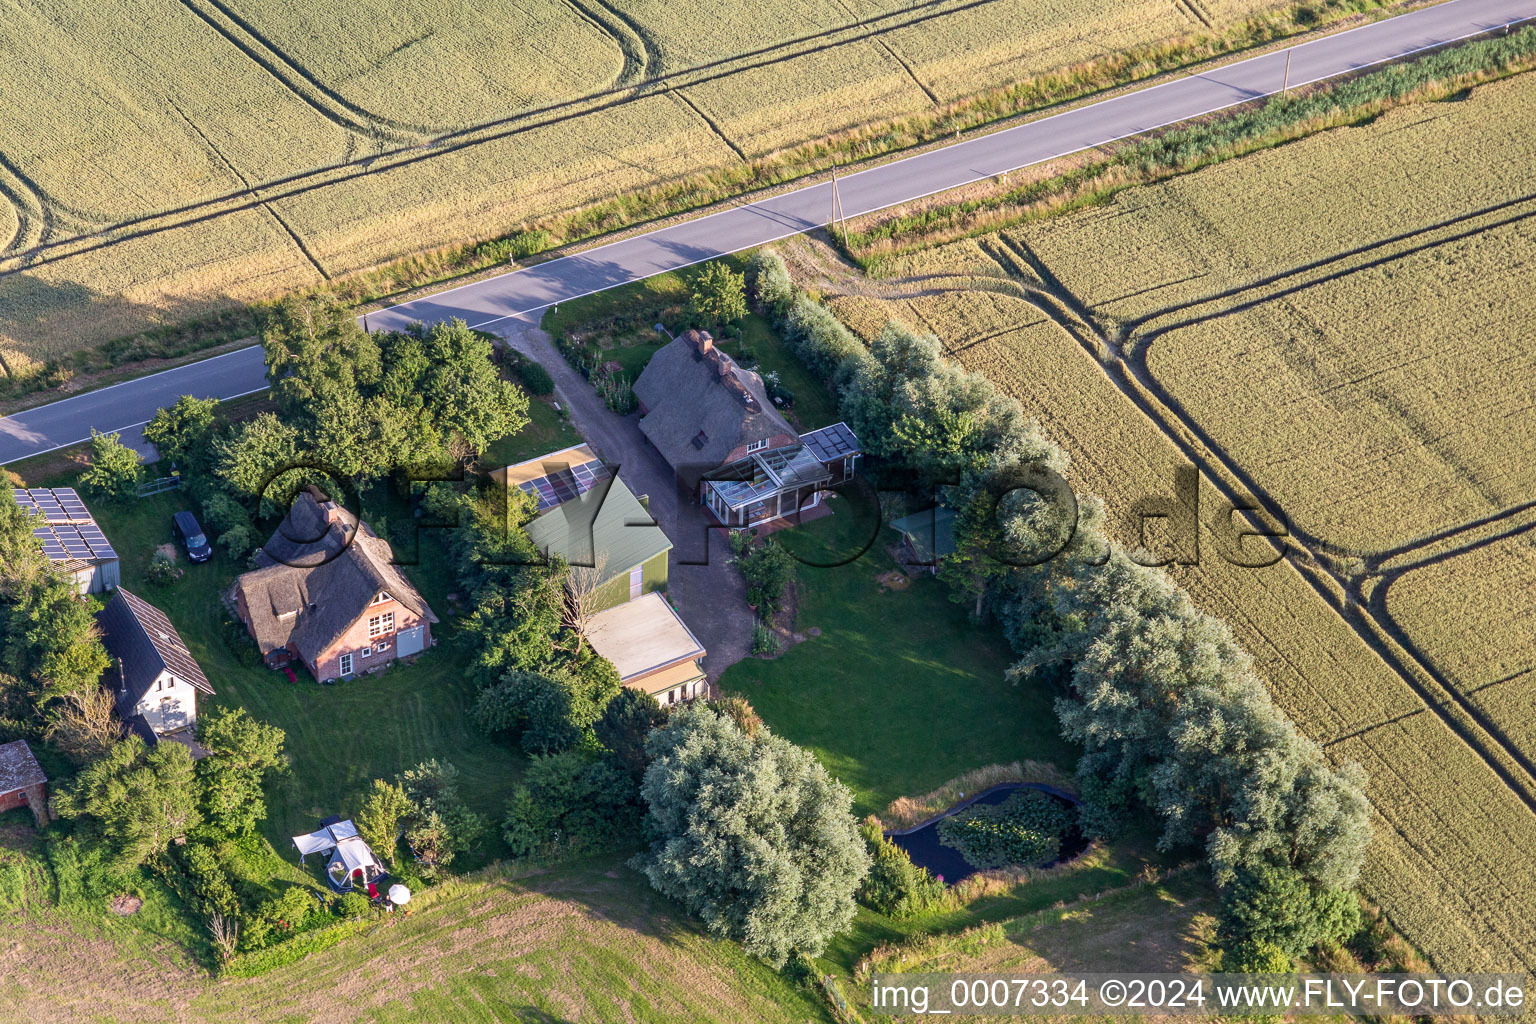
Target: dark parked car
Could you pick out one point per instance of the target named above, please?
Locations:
(191, 536)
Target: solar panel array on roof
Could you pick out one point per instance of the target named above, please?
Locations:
(563, 485)
(71, 534)
(831, 443)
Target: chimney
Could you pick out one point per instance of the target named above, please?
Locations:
(702, 341)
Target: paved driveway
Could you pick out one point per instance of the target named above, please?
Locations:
(707, 591)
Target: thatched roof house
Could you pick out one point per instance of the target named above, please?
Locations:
(702, 410)
(329, 594)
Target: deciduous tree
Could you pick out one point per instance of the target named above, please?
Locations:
(137, 799)
(242, 752)
(751, 834)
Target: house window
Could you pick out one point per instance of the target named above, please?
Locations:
(158, 685)
(367, 652)
(382, 647)
(757, 446)
(383, 596)
(375, 625)
(346, 664)
(389, 622)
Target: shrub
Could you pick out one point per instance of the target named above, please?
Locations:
(162, 571)
(114, 470)
(1024, 829)
(765, 640)
(570, 803)
(1280, 907)
(895, 886)
(535, 378)
(208, 881)
(719, 296)
(770, 281)
(827, 348)
(768, 569)
(1256, 957)
(351, 904)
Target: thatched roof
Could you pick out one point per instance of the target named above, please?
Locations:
(701, 406)
(321, 571)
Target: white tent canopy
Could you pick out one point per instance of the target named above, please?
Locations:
(346, 847)
(325, 839)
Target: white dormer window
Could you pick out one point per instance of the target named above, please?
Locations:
(383, 596)
(757, 446)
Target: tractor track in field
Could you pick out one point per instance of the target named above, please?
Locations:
(51, 250)
(295, 77)
(1127, 371)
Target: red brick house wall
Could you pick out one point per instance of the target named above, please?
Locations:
(35, 797)
(356, 638)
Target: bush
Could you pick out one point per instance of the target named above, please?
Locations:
(768, 569)
(1256, 957)
(719, 297)
(535, 378)
(351, 904)
(1024, 829)
(765, 640)
(571, 804)
(208, 881)
(895, 886)
(1278, 906)
(770, 281)
(115, 468)
(827, 348)
(162, 571)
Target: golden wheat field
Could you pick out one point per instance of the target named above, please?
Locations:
(375, 129)
(1347, 317)
(1471, 613)
(1447, 860)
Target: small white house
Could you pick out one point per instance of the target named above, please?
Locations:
(153, 678)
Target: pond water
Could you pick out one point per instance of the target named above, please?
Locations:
(945, 862)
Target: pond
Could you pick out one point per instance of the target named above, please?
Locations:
(945, 862)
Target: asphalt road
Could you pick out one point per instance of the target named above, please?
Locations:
(485, 303)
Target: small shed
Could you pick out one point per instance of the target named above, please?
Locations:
(22, 782)
(352, 860)
(652, 649)
(928, 537)
(71, 538)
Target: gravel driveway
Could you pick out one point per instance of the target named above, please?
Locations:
(707, 591)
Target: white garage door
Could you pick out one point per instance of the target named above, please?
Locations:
(410, 641)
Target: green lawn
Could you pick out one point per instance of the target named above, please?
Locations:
(547, 431)
(814, 406)
(340, 737)
(900, 692)
(587, 941)
(1101, 869)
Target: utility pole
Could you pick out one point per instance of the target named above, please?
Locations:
(1285, 86)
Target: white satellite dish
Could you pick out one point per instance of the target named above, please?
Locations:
(399, 894)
